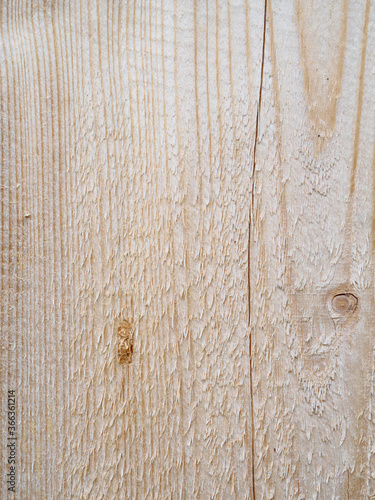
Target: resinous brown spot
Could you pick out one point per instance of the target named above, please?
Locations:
(125, 342)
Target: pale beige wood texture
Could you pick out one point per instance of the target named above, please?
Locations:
(127, 135)
(196, 178)
(312, 237)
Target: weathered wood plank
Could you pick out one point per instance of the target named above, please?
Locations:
(127, 143)
(135, 138)
(311, 241)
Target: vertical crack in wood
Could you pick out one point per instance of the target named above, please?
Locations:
(259, 105)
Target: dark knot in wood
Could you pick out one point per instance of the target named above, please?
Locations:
(344, 303)
(125, 331)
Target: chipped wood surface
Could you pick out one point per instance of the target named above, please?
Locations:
(187, 248)
(312, 254)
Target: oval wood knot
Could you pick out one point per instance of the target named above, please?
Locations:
(344, 303)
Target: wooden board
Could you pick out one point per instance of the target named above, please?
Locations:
(185, 189)
(312, 254)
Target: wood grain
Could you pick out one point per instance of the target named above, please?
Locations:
(127, 136)
(187, 248)
(311, 244)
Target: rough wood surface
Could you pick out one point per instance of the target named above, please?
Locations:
(312, 254)
(187, 248)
